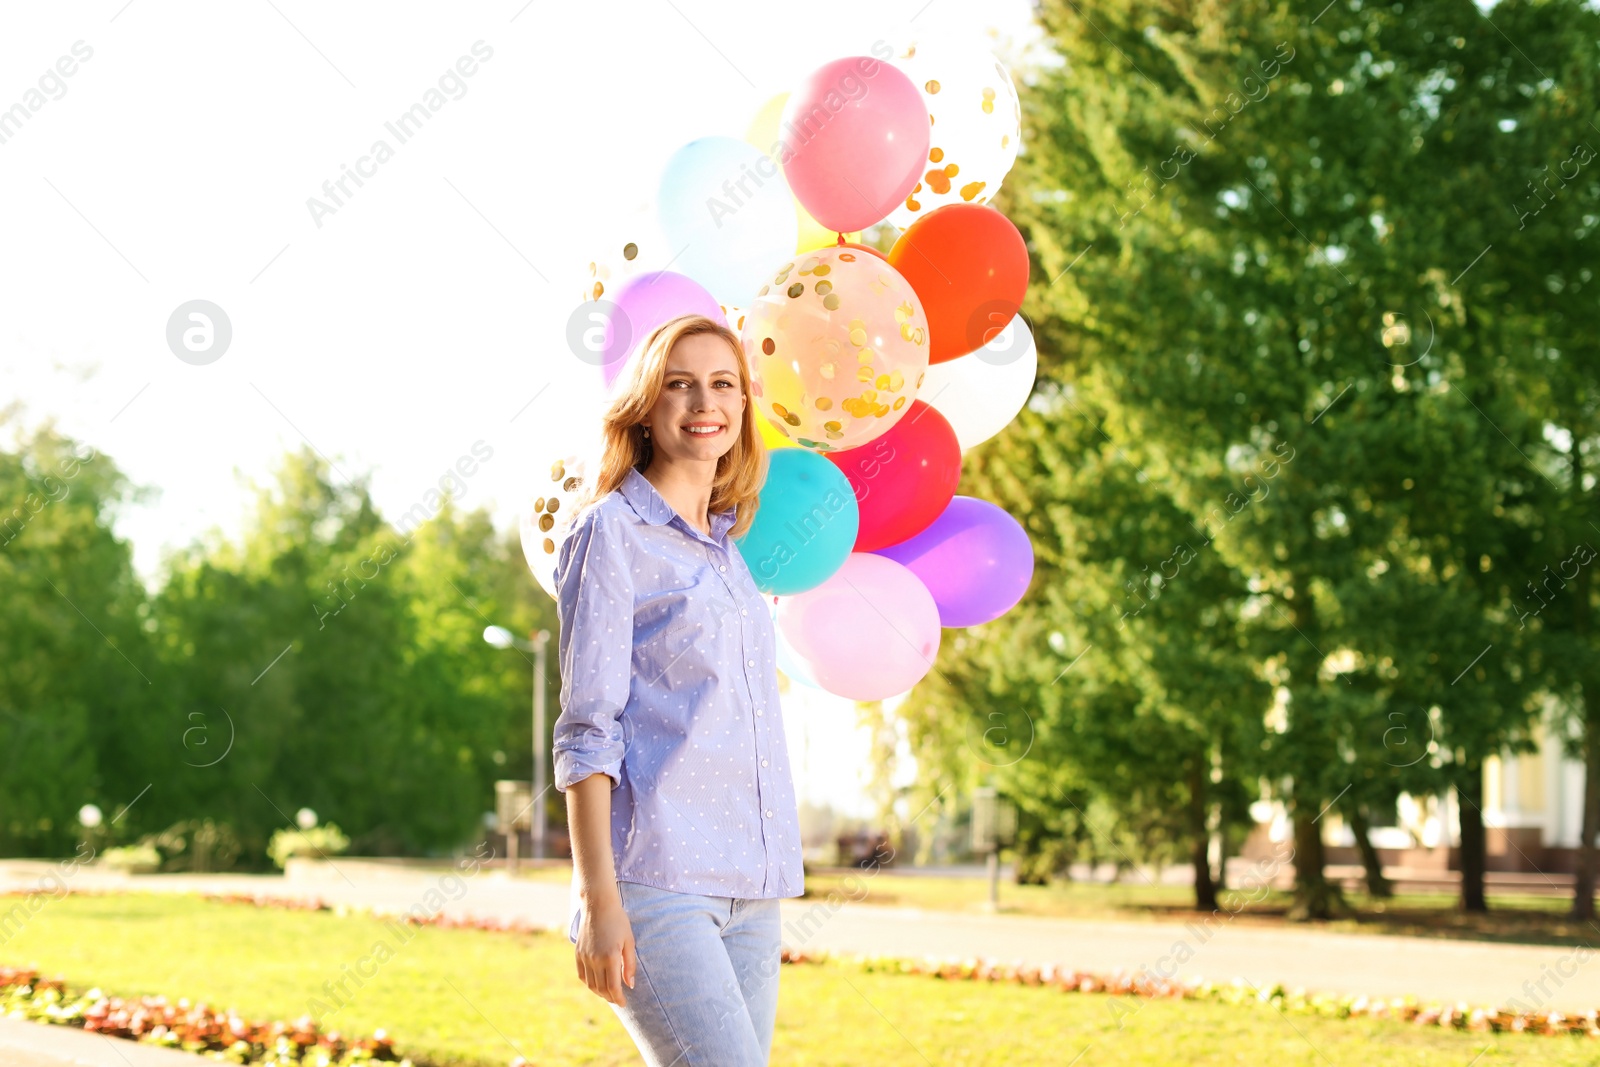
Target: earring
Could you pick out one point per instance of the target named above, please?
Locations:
(647, 432)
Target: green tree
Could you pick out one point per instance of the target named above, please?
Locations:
(1233, 209)
(342, 657)
(78, 670)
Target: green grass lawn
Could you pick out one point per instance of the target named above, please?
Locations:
(471, 997)
(1524, 919)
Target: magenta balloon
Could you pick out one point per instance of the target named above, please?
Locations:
(974, 558)
(645, 302)
(854, 141)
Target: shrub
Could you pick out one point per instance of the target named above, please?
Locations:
(324, 840)
(132, 858)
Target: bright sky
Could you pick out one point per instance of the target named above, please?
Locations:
(427, 313)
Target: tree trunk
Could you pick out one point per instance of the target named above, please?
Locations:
(1583, 889)
(1205, 888)
(1588, 684)
(1314, 896)
(1377, 885)
(1469, 802)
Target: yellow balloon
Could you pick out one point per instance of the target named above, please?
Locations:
(837, 343)
(771, 436)
(764, 135)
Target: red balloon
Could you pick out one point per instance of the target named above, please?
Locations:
(969, 266)
(904, 478)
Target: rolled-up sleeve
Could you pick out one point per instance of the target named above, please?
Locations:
(594, 600)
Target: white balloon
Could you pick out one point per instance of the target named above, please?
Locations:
(981, 392)
(977, 123)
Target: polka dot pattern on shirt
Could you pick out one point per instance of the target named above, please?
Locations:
(668, 674)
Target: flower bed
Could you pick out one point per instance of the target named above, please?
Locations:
(180, 1024)
(1238, 991)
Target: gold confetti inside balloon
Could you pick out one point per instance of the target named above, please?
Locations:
(976, 124)
(838, 346)
(547, 515)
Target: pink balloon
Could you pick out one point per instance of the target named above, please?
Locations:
(867, 633)
(855, 141)
(643, 303)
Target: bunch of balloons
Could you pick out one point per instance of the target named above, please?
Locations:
(872, 371)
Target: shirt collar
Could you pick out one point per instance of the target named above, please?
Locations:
(653, 508)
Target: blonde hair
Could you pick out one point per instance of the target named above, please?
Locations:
(740, 471)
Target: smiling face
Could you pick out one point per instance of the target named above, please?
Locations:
(701, 392)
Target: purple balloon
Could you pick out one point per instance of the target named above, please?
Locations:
(974, 558)
(645, 302)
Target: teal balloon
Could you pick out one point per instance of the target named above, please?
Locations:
(805, 527)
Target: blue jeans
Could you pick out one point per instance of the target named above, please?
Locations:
(705, 990)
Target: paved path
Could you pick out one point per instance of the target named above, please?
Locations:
(25, 1044)
(1434, 970)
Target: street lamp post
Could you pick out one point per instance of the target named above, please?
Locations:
(500, 637)
(994, 823)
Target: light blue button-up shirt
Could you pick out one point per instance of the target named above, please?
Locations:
(669, 685)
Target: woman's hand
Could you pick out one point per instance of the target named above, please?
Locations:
(605, 953)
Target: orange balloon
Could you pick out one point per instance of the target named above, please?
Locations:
(969, 266)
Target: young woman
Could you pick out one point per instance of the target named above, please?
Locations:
(670, 745)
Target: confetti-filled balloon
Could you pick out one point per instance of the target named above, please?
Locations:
(838, 345)
(976, 128)
(855, 136)
(547, 517)
(856, 246)
(982, 392)
(771, 436)
(867, 633)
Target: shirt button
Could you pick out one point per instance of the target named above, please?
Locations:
(763, 763)
(769, 813)
(751, 662)
(758, 711)
(743, 611)
(722, 568)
